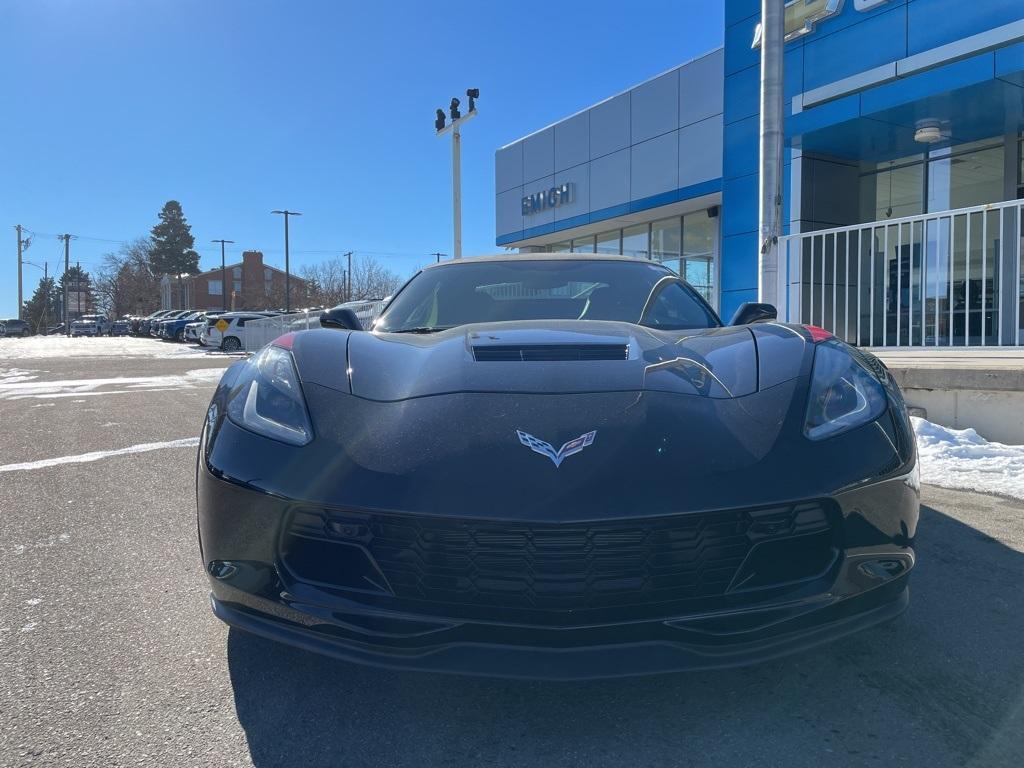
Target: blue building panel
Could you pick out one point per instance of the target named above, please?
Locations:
(931, 23)
(743, 95)
(829, 113)
(738, 10)
(739, 205)
(1009, 64)
(738, 53)
(874, 40)
(739, 262)
(737, 157)
(959, 74)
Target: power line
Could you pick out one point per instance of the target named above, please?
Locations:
(208, 249)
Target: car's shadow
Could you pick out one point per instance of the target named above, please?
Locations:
(942, 685)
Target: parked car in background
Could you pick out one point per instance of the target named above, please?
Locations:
(16, 327)
(3, 330)
(54, 330)
(146, 323)
(194, 328)
(174, 330)
(90, 325)
(120, 327)
(227, 332)
(154, 328)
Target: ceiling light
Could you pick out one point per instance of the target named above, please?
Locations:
(930, 132)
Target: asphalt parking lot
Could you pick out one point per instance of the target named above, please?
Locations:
(109, 655)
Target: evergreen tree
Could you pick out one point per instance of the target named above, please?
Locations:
(43, 309)
(172, 252)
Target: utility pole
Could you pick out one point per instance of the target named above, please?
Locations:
(223, 275)
(18, 229)
(770, 179)
(348, 277)
(457, 120)
(67, 258)
(78, 287)
(287, 269)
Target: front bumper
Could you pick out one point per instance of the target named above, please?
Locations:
(240, 535)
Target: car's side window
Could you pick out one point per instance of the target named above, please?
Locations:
(240, 322)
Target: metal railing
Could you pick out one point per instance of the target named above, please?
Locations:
(950, 278)
(259, 333)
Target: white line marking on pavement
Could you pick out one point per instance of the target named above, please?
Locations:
(186, 442)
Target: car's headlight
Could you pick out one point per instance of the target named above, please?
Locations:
(843, 395)
(268, 399)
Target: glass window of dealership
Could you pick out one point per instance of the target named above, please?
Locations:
(934, 256)
(687, 244)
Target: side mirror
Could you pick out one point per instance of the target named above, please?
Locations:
(341, 317)
(753, 312)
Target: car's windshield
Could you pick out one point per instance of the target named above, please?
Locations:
(570, 289)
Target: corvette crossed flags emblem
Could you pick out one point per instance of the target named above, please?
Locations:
(575, 445)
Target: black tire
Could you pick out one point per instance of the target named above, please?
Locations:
(231, 344)
(179, 336)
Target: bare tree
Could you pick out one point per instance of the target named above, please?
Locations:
(126, 283)
(370, 280)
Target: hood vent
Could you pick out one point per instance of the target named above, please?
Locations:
(549, 352)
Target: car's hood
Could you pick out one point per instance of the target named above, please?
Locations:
(552, 357)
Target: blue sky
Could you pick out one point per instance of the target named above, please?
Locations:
(238, 107)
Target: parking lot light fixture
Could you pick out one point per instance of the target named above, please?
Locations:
(287, 270)
(454, 127)
(223, 275)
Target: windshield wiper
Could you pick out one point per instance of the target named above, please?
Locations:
(422, 329)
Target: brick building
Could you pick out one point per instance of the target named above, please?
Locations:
(251, 284)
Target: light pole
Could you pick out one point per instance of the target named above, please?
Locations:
(223, 275)
(287, 269)
(439, 125)
(67, 261)
(770, 178)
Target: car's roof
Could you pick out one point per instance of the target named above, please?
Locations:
(540, 257)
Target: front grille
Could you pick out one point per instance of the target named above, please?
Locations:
(549, 352)
(559, 567)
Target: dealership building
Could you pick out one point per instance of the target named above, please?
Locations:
(903, 172)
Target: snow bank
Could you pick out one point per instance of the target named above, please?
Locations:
(961, 458)
(36, 347)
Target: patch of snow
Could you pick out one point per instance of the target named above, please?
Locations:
(187, 442)
(40, 347)
(33, 601)
(961, 458)
(14, 375)
(18, 390)
(29, 627)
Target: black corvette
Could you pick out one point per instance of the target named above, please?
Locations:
(557, 466)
